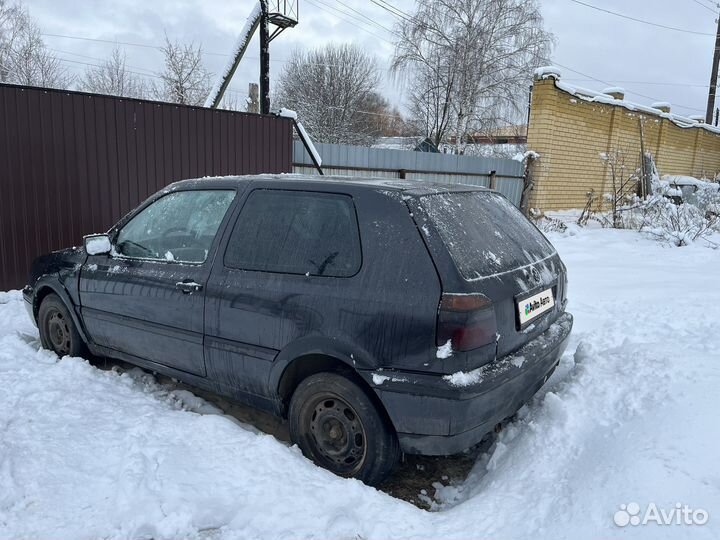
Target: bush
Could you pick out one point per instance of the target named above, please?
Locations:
(671, 215)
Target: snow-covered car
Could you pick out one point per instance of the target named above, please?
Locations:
(378, 316)
(687, 189)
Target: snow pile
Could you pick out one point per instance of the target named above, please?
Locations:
(530, 154)
(546, 72)
(630, 415)
(614, 90)
(287, 113)
(661, 105)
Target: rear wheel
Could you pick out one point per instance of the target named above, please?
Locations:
(335, 424)
(57, 329)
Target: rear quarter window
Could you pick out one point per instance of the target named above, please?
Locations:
(296, 232)
(484, 233)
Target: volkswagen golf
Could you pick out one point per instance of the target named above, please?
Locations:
(377, 316)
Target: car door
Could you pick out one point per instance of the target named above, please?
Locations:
(287, 262)
(146, 298)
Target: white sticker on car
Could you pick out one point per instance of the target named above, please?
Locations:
(536, 305)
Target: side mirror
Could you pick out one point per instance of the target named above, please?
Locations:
(97, 244)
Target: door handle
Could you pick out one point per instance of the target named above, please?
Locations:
(188, 287)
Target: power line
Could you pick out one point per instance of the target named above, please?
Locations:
(103, 60)
(372, 21)
(628, 91)
(642, 21)
(393, 6)
(343, 15)
(392, 9)
(653, 83)
(148, 46)
(699, 3)
(152, 75)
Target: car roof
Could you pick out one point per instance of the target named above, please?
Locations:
(415, 188)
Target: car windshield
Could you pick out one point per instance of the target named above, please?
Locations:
(484, 233)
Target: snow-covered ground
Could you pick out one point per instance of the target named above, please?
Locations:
(631, 416)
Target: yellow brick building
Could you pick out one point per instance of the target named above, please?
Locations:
(572, 128)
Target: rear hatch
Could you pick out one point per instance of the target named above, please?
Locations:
(484, 248)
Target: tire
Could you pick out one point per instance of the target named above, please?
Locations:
(337, 426)
(57, 328)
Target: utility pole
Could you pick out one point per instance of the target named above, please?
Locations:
(280, 13)
(713, 78)
(265, 58)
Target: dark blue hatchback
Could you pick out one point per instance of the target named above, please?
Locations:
(378, 316)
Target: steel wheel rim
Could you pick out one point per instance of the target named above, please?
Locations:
(58, 332)
(338, 434)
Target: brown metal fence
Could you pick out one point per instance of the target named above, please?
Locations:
(73, 163)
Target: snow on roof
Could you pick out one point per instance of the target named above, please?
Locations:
(614, 90)
(601, 97)
(684, 180)
(548, 71)
(661, 105)
(287, 113)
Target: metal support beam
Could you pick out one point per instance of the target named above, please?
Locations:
(713, 78)
(224, 78)
(264, 58)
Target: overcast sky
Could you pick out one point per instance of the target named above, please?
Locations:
(652, 64)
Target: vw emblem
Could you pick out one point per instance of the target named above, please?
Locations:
(535, 275)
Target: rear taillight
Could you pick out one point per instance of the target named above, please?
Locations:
(468, 320)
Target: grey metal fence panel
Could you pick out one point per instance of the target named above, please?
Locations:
(362, 161)
(510, 187)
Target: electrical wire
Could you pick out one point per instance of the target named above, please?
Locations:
(712, 10)
(372, 21)
(344, 16)
(628, 91)
(392, 9)
(653, 83)
(628, 17)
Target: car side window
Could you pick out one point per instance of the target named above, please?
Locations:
(296, 232)
(179, 227)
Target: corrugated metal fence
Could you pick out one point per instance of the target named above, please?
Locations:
(74, 163)
(448, 168)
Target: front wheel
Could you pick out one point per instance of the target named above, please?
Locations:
(336, 425)
(57, 329)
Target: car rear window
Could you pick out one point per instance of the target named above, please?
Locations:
(484, 233)
(296, 232)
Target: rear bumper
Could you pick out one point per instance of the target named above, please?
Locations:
(438, 415)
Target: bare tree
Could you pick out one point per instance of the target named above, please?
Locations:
(113, 78)
(383, 119)
(330, 88)
(12, 24)
(469, 64)
(24, 59)
(184, 79)
(624, 180)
